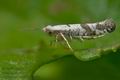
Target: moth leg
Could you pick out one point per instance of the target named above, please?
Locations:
(94, 37)
(71, 37)
(97, 36)
(81, 38)
(101, 36)
(54, 42)
(56, 38)
(66, 41)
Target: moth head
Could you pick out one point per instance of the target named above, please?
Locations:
(48, 29)
(109, 25)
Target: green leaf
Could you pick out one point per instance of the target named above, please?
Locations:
(91, 54)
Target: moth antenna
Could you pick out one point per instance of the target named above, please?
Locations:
(32, 29)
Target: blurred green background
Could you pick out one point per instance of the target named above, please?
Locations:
(21, 23)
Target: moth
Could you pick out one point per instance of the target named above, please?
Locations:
(80, 31)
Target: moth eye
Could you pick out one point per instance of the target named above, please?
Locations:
(50, 32)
